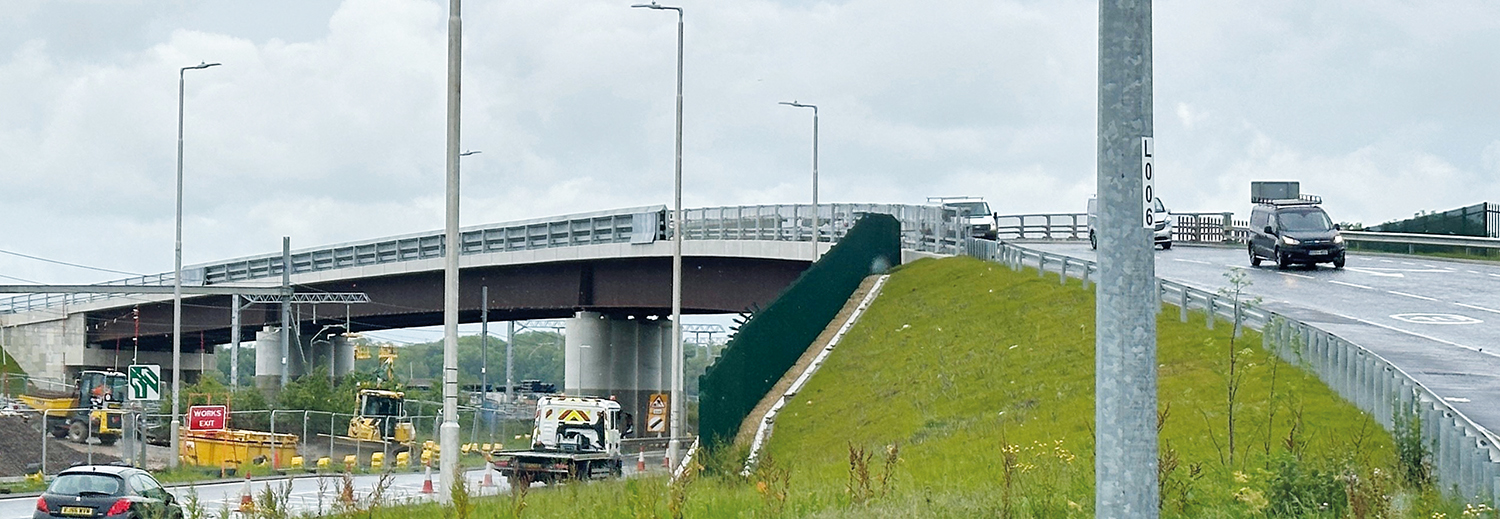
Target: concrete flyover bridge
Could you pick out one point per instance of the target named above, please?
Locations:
(611, 266)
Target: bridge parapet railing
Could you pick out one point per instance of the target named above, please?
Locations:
(1208, 228)
(925, 228)
(1042, 226)
(1464, 454)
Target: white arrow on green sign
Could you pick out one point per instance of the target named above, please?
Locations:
(145, 382)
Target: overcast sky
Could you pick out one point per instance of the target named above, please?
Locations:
(326, 121)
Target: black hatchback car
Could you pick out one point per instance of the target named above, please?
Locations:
(106, 492)
(1294, 231)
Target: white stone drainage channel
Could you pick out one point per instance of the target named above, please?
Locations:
(767, 424)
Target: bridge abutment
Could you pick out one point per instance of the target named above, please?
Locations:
(56, 348)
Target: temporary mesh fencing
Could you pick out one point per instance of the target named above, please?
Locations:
(772, 339)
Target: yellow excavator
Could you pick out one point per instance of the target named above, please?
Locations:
(380, 421)
(382, 418)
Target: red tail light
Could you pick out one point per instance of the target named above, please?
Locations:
(41, 505)
(119, 508)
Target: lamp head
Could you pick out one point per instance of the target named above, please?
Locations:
(201, 66)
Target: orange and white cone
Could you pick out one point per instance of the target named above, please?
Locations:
(489, 474)
(640, 462)
(247, 497)
(427, 483)
(666, 462)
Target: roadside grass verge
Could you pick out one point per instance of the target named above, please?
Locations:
(967, 390)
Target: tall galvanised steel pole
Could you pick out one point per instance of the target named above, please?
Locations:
(1126, 308)
(177, 276)
(675, 423)
(448, 433)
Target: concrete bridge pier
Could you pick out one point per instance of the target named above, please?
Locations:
(306, 354)
(621, 357)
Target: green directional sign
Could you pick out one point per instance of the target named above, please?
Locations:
(145, 382)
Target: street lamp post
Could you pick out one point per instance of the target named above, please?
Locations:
(674, 445)
(177, 277)
(448, 431)
(815, 174)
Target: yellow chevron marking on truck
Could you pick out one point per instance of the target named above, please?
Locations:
(574, 416)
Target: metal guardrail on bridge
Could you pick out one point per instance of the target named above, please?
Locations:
(924, 228)
(1464, 454)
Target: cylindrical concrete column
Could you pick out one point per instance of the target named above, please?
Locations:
(268, 354)
(343, 355)
(586, 354)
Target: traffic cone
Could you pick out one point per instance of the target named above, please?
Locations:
(666, 462)
(489, 474)
(640, 462)
(247, 498)
(427, 484)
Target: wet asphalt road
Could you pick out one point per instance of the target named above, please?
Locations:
(1439, 320)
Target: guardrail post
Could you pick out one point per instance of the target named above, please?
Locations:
(1086, 268)
(1156, 295)
(1182, 311)
(1209, 304)
(1041, 265)
(1062, 276)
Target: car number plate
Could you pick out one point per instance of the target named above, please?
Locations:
(1319, 253)
(77, 510)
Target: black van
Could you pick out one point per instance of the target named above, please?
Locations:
(1294, 231)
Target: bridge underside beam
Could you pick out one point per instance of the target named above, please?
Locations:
(627, 287)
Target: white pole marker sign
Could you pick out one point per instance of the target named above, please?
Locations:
(1148, 182)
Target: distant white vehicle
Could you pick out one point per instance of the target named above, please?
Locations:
(974, 212)
(1161, 232)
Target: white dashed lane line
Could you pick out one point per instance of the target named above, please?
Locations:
(1192, 261)
(1480, 308)
(1414, 296)
(1297, 275)
(1336, 282)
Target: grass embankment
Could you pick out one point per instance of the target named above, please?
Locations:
(967, 390)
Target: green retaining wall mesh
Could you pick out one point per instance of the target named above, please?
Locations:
(1476, 220)
(772, 340)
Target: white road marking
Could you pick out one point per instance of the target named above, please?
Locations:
(1424, 336)
(1336, 282)
(1424, 298)
(1297, 275)
(1436, 319)
(1192, 261)
(1479, 308)
(1374, 273)
(1386, 261)
(1496, 275)
(1473, 272)
(1456, 399)
(1408, 263)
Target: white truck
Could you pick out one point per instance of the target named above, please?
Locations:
(973, 212)
(573, 438)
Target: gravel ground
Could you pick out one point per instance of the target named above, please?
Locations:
(21, 445)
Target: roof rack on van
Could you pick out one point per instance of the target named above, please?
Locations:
(1300, 200)
(951, 199)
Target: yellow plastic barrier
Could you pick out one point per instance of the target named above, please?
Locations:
(485, 447)
(426, 456)
(236, 447)
(297, 462)
(465, 448)
(323, 463)
(403, 460)
(377, 460)
(350, 462)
